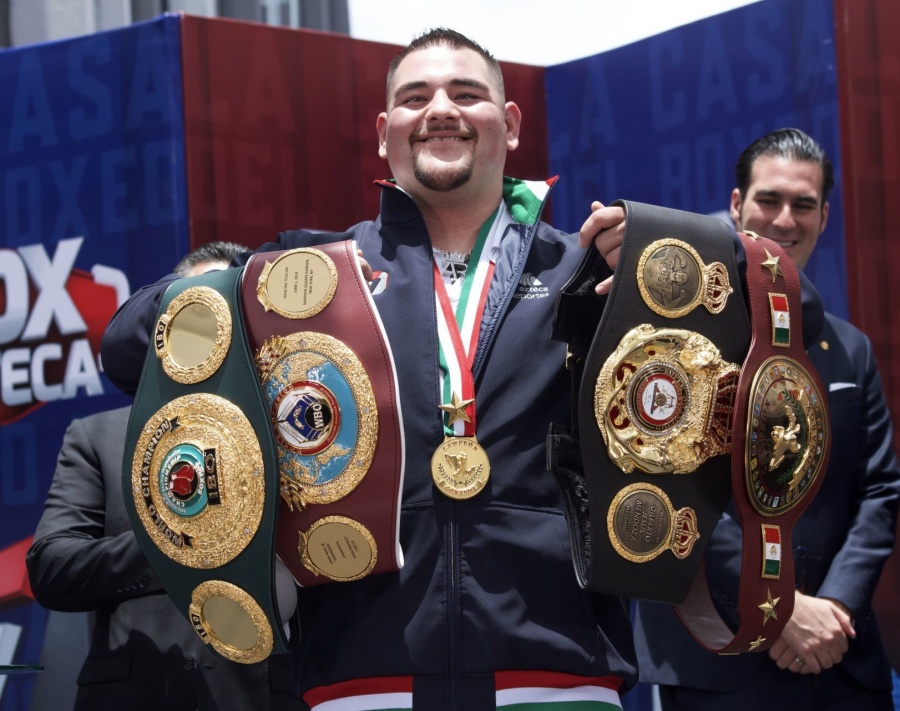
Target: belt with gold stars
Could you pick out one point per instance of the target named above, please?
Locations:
(683, 400)
(781, 441)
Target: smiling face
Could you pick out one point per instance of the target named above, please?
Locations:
(446, 126)
(784, 203)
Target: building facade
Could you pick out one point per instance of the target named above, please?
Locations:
(24, 22)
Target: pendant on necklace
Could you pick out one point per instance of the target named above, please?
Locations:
(455, 264)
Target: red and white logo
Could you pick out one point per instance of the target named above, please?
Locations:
(52, 317)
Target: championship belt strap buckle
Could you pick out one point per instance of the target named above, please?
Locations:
(664, 401)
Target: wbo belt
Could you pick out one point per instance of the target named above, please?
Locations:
(200, 465)
(658, 370)
(328, 380)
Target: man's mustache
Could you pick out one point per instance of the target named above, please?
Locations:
(435, 131)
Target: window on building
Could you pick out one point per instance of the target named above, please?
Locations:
(280, 12)
(5, 38)
(148, 9)
(330, 15)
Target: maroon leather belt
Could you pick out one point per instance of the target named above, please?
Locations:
(781, 443)
(328, 378)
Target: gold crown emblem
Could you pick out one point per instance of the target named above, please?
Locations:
(718, 289)
(685, 533)
(273, 350)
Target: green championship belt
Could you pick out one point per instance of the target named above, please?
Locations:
(200, 466)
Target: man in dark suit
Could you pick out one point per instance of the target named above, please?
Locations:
(144, 654)
(830, 654)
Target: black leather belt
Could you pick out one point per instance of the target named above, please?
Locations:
(654, 378)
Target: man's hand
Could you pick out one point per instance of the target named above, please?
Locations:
(816, 635)
(606, 229)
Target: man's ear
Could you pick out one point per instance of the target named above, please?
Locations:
(381, 127)
(513, 117)
(824, 217)
(736, 207)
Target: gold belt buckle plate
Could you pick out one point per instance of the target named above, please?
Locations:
(664, 401)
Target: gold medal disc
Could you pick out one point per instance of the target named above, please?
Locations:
(193, 336)
(460, 467)
(338, 548)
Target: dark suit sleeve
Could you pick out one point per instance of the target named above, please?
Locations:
(72, 564)
(813, 313)
(855, 570)
(127, 336)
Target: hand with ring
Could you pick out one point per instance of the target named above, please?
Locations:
(819, 629)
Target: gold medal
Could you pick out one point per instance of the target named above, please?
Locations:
(460, 467)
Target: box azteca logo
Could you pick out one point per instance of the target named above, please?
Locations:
(52, 317)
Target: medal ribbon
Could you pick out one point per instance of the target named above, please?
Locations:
(458, 332)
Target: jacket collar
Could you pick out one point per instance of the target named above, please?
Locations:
(524, 198)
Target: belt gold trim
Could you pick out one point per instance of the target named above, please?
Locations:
(328, 379)
(199, 462)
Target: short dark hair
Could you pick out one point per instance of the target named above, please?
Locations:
(788, 143)
(452, 39)
(209, 252)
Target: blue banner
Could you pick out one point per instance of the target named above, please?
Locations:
(93, 206)
(663, 120)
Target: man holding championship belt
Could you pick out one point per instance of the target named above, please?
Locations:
(692, 388)
(485, 612)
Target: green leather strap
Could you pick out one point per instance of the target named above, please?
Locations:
(200, 467)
